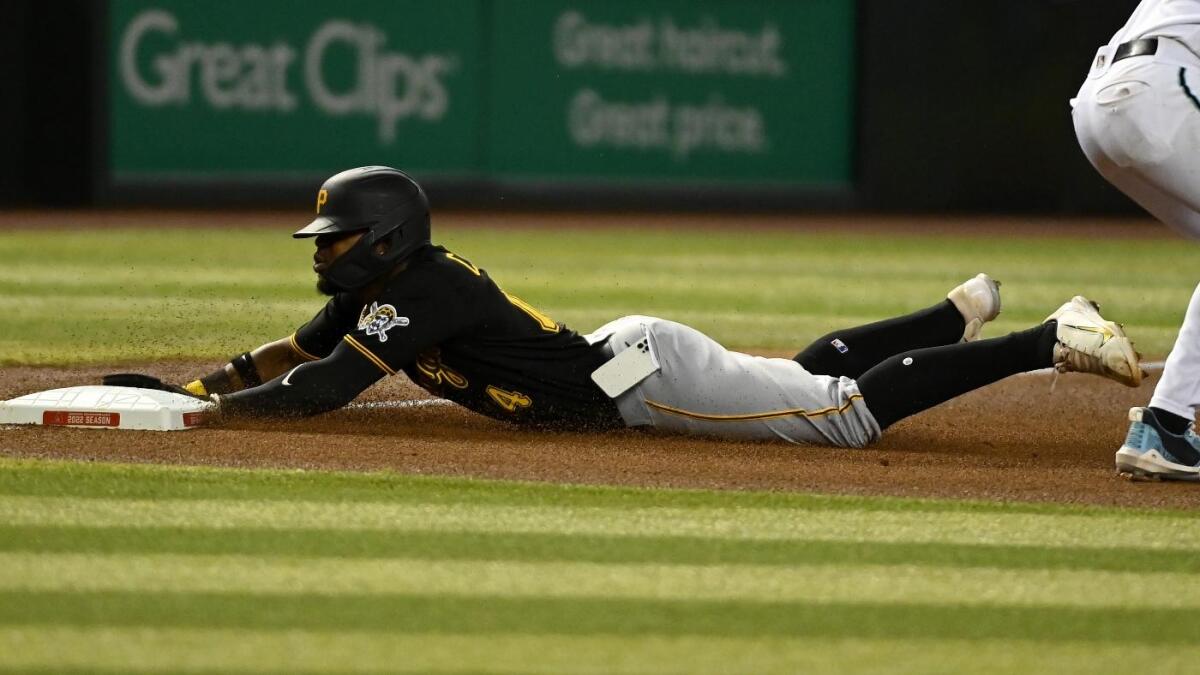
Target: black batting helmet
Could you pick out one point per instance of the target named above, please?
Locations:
(385, 203)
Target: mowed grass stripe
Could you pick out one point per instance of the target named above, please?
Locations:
(594, 616)
(892, 584)
(149, 650)
(730, 523)
(577, 548)
(643, 268)
(25, 477)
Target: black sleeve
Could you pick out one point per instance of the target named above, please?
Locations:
(317, 338)
(309, 388)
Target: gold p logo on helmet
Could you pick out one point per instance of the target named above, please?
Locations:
(322, 197)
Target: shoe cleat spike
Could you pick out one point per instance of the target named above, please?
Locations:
(1139, 476)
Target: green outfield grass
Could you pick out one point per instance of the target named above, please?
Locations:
(126, 295)
(109, 568)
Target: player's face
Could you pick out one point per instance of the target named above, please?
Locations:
(330, 247)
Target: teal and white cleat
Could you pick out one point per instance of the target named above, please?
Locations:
(1152, 452)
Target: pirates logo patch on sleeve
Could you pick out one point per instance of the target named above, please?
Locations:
(379, 319)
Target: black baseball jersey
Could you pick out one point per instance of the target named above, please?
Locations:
(455, 333)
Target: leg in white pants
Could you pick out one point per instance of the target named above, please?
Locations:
(1179, 389)
(1138, 122)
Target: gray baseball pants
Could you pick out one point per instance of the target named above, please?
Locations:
(706, 390)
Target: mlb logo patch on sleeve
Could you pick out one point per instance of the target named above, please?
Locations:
(839, 345)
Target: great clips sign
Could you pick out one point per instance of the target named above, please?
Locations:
(278, 87)
(543, 93)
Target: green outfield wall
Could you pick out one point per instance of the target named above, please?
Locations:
(546, 92)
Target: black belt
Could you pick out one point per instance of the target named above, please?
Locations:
(1142, 47)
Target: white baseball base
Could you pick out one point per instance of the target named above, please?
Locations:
(103, 407)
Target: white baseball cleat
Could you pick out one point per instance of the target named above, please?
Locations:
(978, 299)
(1088, 343)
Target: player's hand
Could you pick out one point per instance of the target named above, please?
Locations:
(142, 381)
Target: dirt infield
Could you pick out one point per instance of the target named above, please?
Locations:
(1016, 440)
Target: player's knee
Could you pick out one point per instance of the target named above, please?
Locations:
(826, 355)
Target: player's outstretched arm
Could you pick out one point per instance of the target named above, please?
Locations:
(250, 369)
(309, 388)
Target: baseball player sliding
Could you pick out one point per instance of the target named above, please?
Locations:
(400, 303)
(1137, 117)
